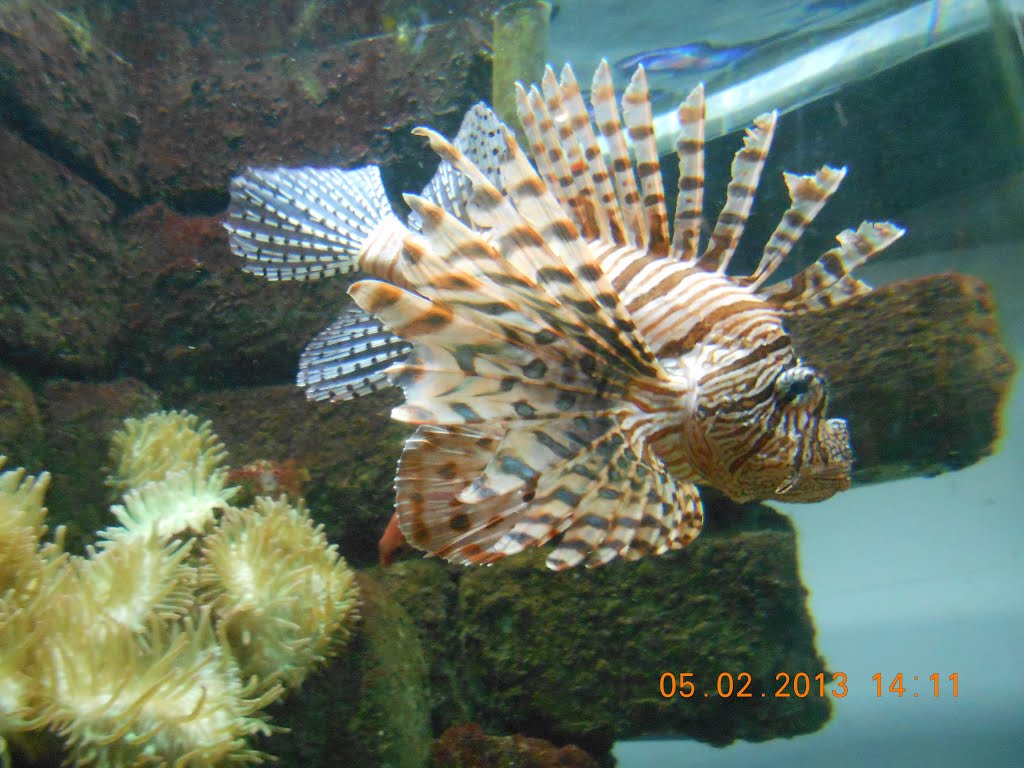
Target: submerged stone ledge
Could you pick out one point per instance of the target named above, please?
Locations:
(578, 657)
(918, 369)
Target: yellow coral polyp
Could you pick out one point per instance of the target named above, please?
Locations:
(149, 449)
(21, 527)
(184, 500)
(132, 579)
(283, 597)
(176, 699)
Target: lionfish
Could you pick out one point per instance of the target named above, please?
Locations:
(573, 370)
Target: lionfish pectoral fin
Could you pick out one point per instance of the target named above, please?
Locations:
(829, 281)
(612, 499)
(305, 223)
(349, 358)
(464, 370)
(481, 141)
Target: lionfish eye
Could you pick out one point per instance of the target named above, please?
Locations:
(797, 384)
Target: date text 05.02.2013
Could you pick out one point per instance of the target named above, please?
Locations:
(802, 685)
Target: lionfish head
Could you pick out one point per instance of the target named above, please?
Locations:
(784, 448)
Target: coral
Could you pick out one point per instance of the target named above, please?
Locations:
(182, 501)
(283, 597)
(178, 695)
(153, 448)
(132, 579)
(120, 653)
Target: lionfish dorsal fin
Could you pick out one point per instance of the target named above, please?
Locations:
(481, 141)
(349, 357)
(591, 170)
(558, 156)
(636, 114)
(808, 194)
(690, 203)
(828, 282)
(606, 116)
(746, 172)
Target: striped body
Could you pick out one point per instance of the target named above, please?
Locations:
(575, 369)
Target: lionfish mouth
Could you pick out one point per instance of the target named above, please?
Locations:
(818, 480)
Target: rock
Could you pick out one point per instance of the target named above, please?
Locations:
(370, 706)
(918, 370)
(468, 746)
(79, 418)
(578, 657)
(60, 310)
(195, 320)
(70, 93)
(21, 427)
(348, 104)
(350, 451)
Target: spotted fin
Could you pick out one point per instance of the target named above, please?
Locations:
(349, 357)
(481, 140)
(304, 223)
(609, 501)
(828, 282)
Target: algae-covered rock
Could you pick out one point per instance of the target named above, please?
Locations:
(918, 370)
(428, 589)
(579, 656)
(198, 321)
(349, 451)
(369, 707)
(21, 427)
(79, 419)
(59, 288)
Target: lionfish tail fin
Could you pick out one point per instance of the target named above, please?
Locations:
(349, 358)
(305, 223)
(828, 282)
(746, 173)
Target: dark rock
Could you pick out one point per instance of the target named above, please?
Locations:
(918, 370)
(429, 590)
(64, 88)
(60, 311)
(79, 419)
(21, 426)
(468, 746)
(349, 450)
(195, 320)
(578, 657)
(347, 104)
(370, 706)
